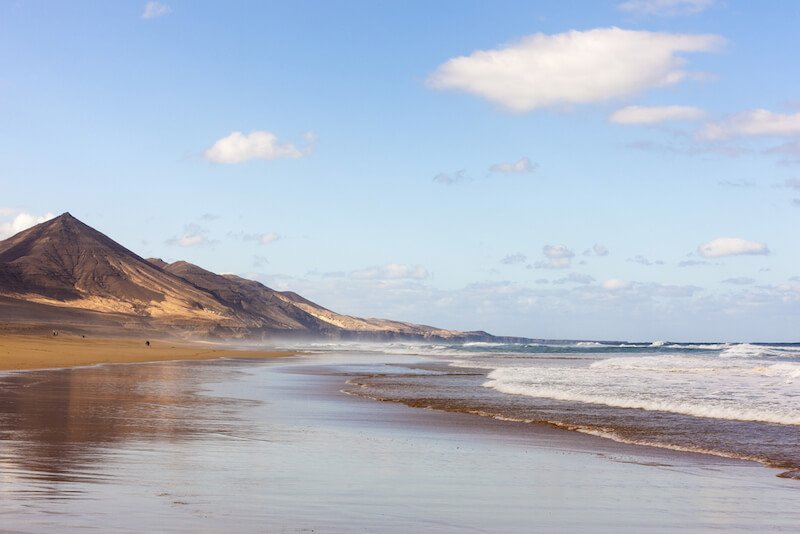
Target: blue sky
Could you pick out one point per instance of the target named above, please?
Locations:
(606, 170)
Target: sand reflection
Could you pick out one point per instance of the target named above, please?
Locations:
(60, 426)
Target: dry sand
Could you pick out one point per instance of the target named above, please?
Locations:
(20, 352)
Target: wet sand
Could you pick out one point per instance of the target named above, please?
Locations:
(274, 446)
(19, 352)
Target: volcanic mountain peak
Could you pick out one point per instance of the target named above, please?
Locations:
(66, 262)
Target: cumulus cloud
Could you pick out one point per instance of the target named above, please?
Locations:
(238, 147)
(154, 10)
(731, 246)
(665, 8)
(522, 166)
(558, 257)
(756, 122)
(576, 67)
(655, 114)
(391, 271)
(20, 221)
(511, 259)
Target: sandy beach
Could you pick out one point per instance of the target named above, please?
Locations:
(21, 352)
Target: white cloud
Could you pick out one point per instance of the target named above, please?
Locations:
(193, 235)
(752, 123)
(267, 238)
(613, 284)
(153, 10)
(523, 165)
(391, 271)
(558, 257)
(665, 8)
(575, 67)
(654, 114)
(21, 221)
(238, 147)
(731, 246)
(187, 240)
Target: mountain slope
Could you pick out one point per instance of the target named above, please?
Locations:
(64, 262)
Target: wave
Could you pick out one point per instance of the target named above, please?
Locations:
(750, 393)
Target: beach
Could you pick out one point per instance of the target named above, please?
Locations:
(275, 446)
(19, 352)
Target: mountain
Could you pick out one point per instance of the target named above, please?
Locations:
(63, 274)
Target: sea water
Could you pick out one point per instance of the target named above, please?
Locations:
(733, 400)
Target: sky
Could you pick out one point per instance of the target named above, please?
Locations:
(621, 170)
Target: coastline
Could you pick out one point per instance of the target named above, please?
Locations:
(20, 352)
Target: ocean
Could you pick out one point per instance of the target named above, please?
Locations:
(732, 400)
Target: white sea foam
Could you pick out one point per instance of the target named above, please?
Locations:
(746, 350)
(699, 386)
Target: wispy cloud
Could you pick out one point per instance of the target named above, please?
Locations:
(731, 246)
(655, 114)
(262, 239)
(154, 10)
(665, 8)
(740, 281)
(512, 259)
(575, 278)
(576, 67)
(238, 147)
(452, 178)
(642, 260)
(757, 122)
(736, 183)
(391, 271)
(521, 166)
(596, 250)
(193, 235)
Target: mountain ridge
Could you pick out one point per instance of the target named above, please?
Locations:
(64, 272)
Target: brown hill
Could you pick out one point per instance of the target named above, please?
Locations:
(65, 274)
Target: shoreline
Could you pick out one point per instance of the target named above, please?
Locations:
(20, 352)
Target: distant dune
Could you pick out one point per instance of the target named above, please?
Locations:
(65, 275)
